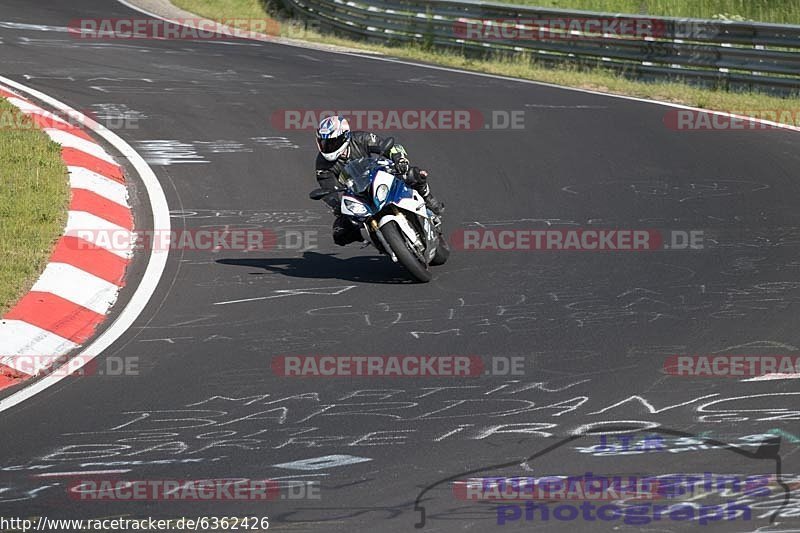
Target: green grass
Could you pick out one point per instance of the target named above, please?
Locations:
(224, 9)
(780, 11)
(34, 193)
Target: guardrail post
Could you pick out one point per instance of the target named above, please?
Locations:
(428, 39)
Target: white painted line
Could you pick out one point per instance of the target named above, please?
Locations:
(155, 264)
(68, 140)
(83, 178)
(100, 232)
(34, 27)
(20, 338)
(772, 377)
(77, 286)
(364, 55)
(84, 473)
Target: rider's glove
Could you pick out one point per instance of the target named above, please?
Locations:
(416, 177)
(401, 163)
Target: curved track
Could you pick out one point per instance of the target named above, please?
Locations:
(594, 329)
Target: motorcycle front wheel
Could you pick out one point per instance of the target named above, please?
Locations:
(405, 256)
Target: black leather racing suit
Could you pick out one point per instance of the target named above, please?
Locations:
(362, 144)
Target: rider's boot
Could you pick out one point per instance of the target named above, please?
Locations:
(430, 200)
(345, 231)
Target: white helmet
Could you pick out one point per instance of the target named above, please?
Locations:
(333, 137)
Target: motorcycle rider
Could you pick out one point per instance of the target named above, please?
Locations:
(337, 146)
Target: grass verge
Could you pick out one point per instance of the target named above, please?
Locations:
(597, 79)
(34, 193)
(778, 11)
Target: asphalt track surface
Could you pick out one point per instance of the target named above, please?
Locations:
(594, 328)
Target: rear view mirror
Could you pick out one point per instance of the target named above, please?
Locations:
(318, 194)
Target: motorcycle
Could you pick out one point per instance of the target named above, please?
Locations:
(395, 217)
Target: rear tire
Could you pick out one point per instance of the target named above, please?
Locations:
(407, 258)
(442, 252)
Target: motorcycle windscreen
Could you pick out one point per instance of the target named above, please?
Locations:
(361, 171)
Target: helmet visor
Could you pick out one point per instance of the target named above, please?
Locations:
(329, 146)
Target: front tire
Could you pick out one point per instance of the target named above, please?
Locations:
(407, 258)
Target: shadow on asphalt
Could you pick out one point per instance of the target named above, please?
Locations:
(362, 269)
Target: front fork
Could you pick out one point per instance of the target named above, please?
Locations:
(375, 230)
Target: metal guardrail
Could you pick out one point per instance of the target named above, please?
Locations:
(725, 54)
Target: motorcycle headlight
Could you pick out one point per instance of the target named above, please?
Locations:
(356, 207)
(381, 193)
